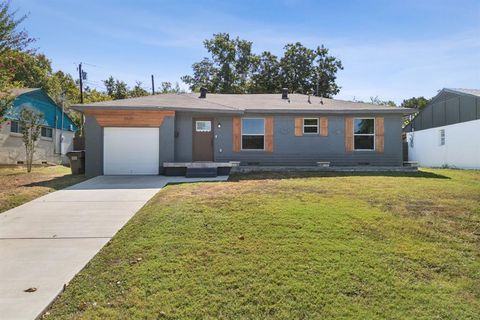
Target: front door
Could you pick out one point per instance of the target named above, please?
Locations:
(202, 139)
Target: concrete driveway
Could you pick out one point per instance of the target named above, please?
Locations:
(46, 242)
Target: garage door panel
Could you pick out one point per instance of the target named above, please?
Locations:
(130, 151)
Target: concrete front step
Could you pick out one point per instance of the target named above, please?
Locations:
(201, 172)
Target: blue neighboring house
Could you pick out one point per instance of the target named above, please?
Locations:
(57, 131)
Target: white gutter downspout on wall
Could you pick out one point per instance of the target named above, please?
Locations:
(61, 129)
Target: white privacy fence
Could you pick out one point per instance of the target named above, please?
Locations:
(456, 146)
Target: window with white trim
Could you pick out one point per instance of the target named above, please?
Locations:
(442, 137)
(203, 126)
(46, 132)
(310, 125)
(15, 127)
(364, 134)
(253, 134)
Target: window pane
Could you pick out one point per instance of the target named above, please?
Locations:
(252, 142)
(49, 132)
(310, 129)
(252, 126)
(364, 126)
(14, 126)
(203, 126)
(310, 122)
(364, 142)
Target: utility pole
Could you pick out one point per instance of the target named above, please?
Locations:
(80, 76)
(153, 85)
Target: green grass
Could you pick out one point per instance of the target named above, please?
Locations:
(292, 247)
(17, 186)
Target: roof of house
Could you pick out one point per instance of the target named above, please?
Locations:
(15, 92)
(240, 103)
(474, 92)
(39, 95)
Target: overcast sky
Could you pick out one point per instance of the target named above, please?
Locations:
(390, 49)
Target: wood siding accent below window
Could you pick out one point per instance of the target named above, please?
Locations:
(298, 127)
(269, 134)
(379, 134)
(237, 134)
(323, 126)
(349, 134)
(130, 118)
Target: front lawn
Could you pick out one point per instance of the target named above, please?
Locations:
(306, 247)
(17, 186)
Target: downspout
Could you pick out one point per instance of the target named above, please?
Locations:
(55, 138)
(61, 129)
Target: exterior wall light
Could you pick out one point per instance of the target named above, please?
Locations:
(219, 125)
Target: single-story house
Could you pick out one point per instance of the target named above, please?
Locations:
(141, 135)
(56, 136)
(446, 133)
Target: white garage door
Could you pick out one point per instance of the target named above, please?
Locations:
(130, 151)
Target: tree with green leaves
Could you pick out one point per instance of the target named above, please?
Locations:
(116, 89)
(266, 74)
(324, 79)
(30, 122)
(229, 68)
(138, 91)
(168, 87)
(415, 102)
(12, 40)
(376, 100)
(296, 68)
(233, 68)
(11, 36)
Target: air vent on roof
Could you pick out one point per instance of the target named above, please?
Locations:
(203, 92)
(285, 93)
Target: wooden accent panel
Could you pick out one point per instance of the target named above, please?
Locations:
(237, 134)
(269, 134)
(379, 134)
(130, 118)
(349, 134)
(323, 126)
(298, 127)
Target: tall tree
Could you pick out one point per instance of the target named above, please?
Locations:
(325, 76)
(229, 68)
(415, 102)
(266, 74)
(233, 68)
(204, 75)
(116, 89)
(378, 101)
(11, 37)
(296, 68)
(138, 91)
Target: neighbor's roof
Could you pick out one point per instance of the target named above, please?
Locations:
(474, 92)
(15, 92)
(240, 103)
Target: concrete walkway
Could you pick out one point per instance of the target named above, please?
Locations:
(46, 242)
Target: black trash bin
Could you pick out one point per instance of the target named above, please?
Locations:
(77, 161)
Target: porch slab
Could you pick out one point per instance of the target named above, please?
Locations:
(200, 165)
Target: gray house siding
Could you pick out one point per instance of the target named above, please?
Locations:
(94, 145)
(289, 149)
(446, 109)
